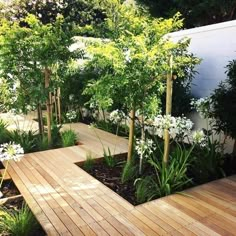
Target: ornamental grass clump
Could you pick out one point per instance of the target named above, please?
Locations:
(17, 222)
(68, 138)
(173, 176)
(9, 151)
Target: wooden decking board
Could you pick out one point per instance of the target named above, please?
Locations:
(90, 215)
(211, 202)
(158, 229)
(139, 223)
(68, 201)
(47, 193)
(224, 223)
(193, 208)
(215, 227)
(43, 204)
(132, 227)
(63, 206)
(148, 213)
(122, 228)
(178, 223)
(109, 228)
(38, 212)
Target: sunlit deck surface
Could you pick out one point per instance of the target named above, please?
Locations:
(68, 201)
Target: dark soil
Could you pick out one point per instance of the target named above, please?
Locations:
(111, 177)
(9, 189)
(229, 166)
(1, 165)
(14, 204)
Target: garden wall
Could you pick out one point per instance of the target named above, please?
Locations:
(216, 46)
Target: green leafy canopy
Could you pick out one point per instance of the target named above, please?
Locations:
(24, 53)
(133, 63)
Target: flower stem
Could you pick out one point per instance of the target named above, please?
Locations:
(4, 173)
(117, 130)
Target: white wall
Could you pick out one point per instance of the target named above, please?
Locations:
(216, 46)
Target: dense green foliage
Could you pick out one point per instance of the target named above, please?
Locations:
(68, 138)
(27, 139)
(135, 61)
(89, 163)
(208, 162)
(17, 222)
(4, 133)
(25, 52)
(195, 12)
(224, 103)
(75, 12)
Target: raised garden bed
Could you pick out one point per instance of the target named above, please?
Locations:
(111, 177)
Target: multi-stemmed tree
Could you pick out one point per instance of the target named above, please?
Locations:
(31, 59)
(133, 64)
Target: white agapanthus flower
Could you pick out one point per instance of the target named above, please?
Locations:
(176, 126)
(11, 151)
(71, 97)
(117, 116)
(144, 148)
(199, 138)
(71, 115)
(204, 106)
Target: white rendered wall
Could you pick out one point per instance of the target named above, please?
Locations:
(216, 46)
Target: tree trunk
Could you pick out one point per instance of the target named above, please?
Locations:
(51, 105)
(59, 104)
(131, 134)
(40, 119)
(48, 104)
(169, 88)
(55, 104)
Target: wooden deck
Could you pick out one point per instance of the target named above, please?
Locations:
(68, 201)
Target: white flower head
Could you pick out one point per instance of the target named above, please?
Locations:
(71, 97)
(71, 115)
(144, 148)
(117, 116)
(176, 126)
(199, 138)
(11, 151)
(204, 106)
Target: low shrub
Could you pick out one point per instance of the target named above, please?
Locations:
(56, 137)
(167, 178)
(27, 139)
(42, 143)
(208, 162)
(68, 138)
(109, 159)
(129, 172)
(89, 163)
